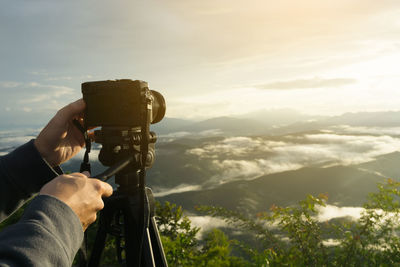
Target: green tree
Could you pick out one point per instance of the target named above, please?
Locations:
(183, 248)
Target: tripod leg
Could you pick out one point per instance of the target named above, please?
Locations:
(139, 251)
(158, 251)
(147, 251)
(107, 215)
(133, 231)
(99, 241)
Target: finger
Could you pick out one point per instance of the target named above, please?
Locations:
(104, 189)
(71, 110)
(107, 189)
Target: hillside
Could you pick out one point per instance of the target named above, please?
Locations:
(345, 186)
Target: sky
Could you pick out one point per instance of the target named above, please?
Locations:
(208, 58)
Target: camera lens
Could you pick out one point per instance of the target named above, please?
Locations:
(159, 107)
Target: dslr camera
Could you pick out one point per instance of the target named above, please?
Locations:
(124, 109)
(121, 103)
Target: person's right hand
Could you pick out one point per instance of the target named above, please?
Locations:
(81, 193)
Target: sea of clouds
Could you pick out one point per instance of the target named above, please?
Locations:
(248, 158)
(252, 157)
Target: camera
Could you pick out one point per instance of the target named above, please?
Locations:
(121, 103)
(124, 109)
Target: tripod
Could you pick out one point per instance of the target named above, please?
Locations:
(121, 217)
(128, 214)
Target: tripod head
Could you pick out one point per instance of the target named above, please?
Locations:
(121, 145)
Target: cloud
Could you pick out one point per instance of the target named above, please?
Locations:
(32, 103)
(206, 223)
(307, 84)
(346, 129)
(5, 84)
(161, 192)
(239, 158)
(353, 149)
(172, 136)
(46, 92)
(10, 139)
(330, 212)
(234, 146)
(231, 170)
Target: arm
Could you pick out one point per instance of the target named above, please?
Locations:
(15, 169)
(51, 229)
(48, 234)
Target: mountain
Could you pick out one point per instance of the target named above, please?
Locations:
(215, 126)
(280, 117)
(170, 125)
(228, 125)
(274, 122)
(385, 165)
(368, 119)
(345, 186)
(360, 119)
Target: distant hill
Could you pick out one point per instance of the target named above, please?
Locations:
(220, 125)
(275, 122)
(231, 126)
(386, 165)
(364, 119)
(382, 119)
(280, 117)
(345, 186)
(170, 125)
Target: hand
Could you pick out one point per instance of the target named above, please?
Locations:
(81, 193)
(60, 140)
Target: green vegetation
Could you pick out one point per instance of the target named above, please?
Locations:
(284, 236)
(292, 236)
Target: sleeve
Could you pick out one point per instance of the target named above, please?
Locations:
(48, 234)
(22, 173)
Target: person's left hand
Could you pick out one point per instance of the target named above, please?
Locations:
(60, 140)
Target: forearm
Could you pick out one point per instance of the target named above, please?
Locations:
(22, 173)
(48, 234)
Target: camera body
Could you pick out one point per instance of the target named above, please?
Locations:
(120, 103)
(124, 110)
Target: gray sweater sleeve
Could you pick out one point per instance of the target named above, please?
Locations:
(49, 233)
(22, 173)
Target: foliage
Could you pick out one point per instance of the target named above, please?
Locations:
(293, 236)
(181, 246)
(282, 236)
